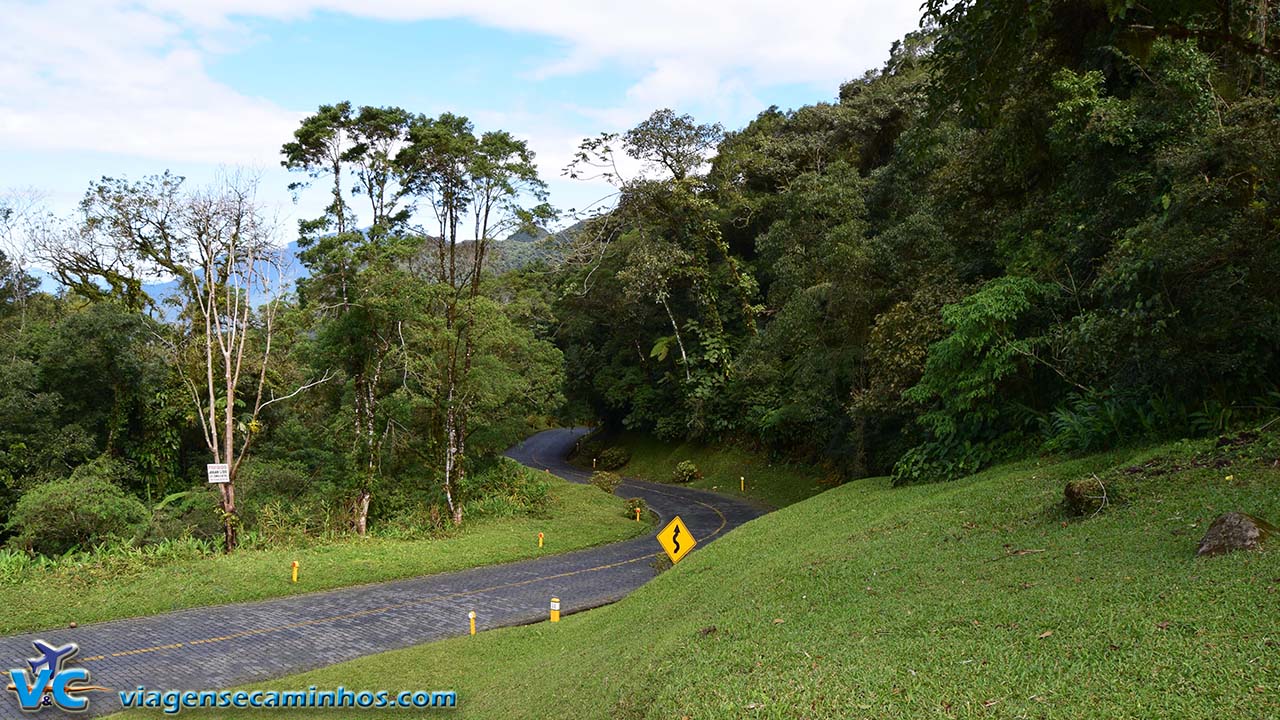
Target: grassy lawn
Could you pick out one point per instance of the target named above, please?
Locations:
(977, 598)
(579, 516)
(775, 484)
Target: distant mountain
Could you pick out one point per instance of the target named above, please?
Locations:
(523, 236)
(523, 248)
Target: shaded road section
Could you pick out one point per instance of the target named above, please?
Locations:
(223, 646)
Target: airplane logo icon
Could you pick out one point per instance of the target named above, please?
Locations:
(51, 657)
(49, 682)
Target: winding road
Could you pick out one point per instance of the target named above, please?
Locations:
(227, 645)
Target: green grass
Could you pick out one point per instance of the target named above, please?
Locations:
(578, 516)
(776, 484)
(976, 598)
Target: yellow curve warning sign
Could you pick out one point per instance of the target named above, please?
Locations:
(676, 539)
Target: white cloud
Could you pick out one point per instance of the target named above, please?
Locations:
(101, 77)
(129, 76)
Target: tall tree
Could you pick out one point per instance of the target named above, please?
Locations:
(476, 188)
(348, 286)
(321, 146)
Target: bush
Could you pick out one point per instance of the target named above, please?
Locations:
(634, 504)
(937, 461)
(613, 458)
(192, 513)
(110, 560)
(586, 449)
(505, 489)
(606, 481)
(81, 511)
(686, 472)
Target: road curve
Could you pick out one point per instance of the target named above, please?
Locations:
(708, 515)
(227, 645)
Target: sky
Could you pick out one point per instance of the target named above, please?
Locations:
(92, 88)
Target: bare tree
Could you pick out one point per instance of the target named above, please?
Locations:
(20, 216)
(221, 248)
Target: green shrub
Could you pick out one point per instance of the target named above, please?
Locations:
(606, 481)
(506, 489)
(613, 458)
(634, 504)
(587, 450)
(81, 511)
(938, 461)
(686, 472)
(191, 513)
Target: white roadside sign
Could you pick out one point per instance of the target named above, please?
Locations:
(219, 473)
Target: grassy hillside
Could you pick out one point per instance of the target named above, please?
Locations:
(773, 483)
(121, 585)
(978, 598)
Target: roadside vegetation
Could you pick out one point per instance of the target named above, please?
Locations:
(1046, 226)
(116, 581)
(978, 598)
(1041, 234)
(774, 481)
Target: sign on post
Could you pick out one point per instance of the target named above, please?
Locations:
(219, 473)
(676, 539)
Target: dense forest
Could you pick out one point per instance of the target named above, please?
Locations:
(1039, 227)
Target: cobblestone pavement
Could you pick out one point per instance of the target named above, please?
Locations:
(223, 646)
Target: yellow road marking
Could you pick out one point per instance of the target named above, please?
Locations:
(399, 606)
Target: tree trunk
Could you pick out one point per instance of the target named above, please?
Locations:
(452, 456)
(684, 359)
(362, 511)
(229, 519)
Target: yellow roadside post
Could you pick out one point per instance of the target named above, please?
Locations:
(743, 482)
(555, 609)
(472, 617)
(295, 571)
(637, 514)
(539, 539)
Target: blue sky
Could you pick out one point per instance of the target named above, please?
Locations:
(115, 87)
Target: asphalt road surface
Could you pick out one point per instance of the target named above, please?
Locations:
(219, 647)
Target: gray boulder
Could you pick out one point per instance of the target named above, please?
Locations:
(1235, 531)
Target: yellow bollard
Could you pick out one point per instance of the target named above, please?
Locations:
(555, 609)
(295, 571)
(539, 539)
(472, 617)
(743, 483)
(593, 463)
(637, 514)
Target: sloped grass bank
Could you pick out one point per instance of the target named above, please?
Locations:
(776, 484)
(978, 598)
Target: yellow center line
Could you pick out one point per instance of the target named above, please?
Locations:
(399, 606)
(363, 613)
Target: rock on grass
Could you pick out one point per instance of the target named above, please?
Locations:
(1235, 531)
